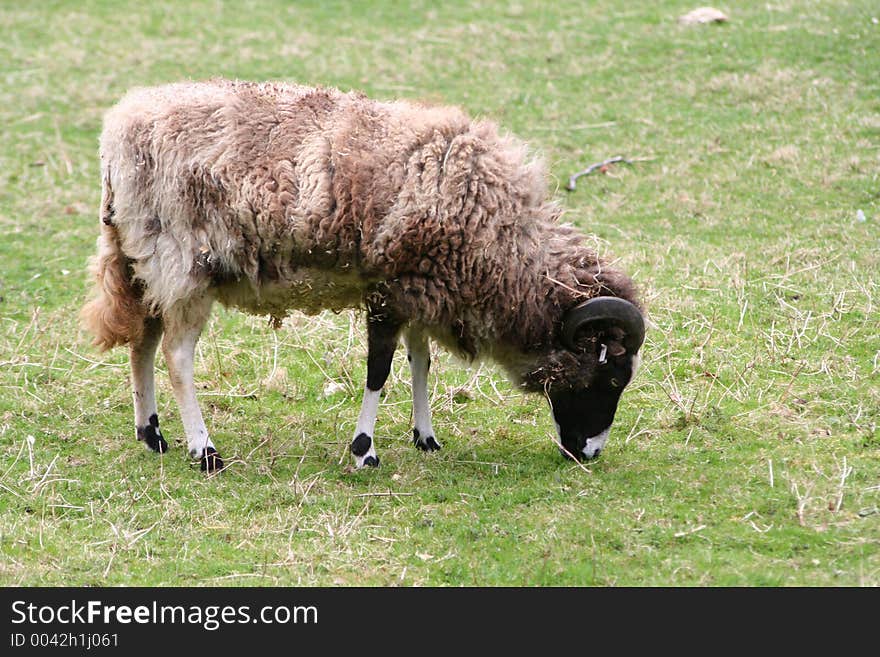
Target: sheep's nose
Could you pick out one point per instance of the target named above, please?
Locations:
(594, 446)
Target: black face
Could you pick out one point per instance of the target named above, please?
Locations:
(584, 415)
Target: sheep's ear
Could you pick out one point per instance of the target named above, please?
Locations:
(604, 313)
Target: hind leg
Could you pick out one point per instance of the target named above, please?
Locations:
(143, 360)
(183, 325)
(419, 357)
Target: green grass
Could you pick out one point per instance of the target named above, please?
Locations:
(746, 452)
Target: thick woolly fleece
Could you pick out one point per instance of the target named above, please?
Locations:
(274, 197)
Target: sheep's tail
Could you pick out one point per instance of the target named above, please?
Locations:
(115, 315)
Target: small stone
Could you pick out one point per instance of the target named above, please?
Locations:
(332, 388)
(702, 15)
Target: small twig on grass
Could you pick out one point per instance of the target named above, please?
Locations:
(583, 126)
(572, 180)
(630, 436)
(802, 501)
(497, 465)
(844, 473)
(791, 381)
(95, 363)
(576, 460)
(389, 493)
(687, 532)
(243, 395)
(17, 457)
(242, 575)
(30, 440)
(7, 488)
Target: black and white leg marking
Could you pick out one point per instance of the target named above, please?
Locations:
(143, 361)
(152, 436)
(362, 446)
(382, 333)
(419, 356)
(183, 325)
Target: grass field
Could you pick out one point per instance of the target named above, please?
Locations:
(746, 452)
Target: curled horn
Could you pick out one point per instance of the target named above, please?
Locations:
(613, 310)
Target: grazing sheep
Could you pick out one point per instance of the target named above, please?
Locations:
(273, 197)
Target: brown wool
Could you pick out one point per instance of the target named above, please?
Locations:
(279, 197)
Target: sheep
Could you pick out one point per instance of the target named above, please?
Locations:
(273, 197)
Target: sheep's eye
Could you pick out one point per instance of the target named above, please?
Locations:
(615, 383)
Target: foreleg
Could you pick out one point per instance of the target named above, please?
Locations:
(382, 332)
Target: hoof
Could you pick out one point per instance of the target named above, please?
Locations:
(211, 461)
(361, 444)
(152, 437)
(364, 454)
(428, 444)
